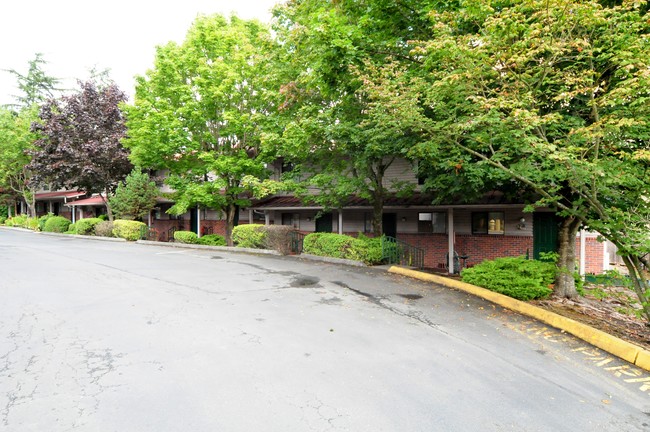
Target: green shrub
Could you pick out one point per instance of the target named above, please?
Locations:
(9, 222)
(57, 224)
(87, 226)
(72, 229)
(103, 217)
(104, 229)
(212, 240)
(515, 277)
(249, 236)
(2, 220)
(19, 221)
(32, 223)
(363, 248)
(42, 220)
(278, 238)
(127, 229)
(186, 237)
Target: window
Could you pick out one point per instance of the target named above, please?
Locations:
(434, 222)
(488, 223)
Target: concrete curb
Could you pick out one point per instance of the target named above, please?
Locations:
(625, 350)
(217, 248)
(97, 238)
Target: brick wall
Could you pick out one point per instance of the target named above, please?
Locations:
(476, 247)
(594, 251)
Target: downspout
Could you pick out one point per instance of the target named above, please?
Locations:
(198, 221)
(583, 249)
(450, 238)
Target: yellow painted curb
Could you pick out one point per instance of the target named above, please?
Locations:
(627, 351)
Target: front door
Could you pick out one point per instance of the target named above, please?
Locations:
(389, 224)
(545, 229)
(194, 219)
(324, 223)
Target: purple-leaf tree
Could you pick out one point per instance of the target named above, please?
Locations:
(80, 141)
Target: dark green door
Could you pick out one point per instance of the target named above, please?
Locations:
(389, 224)
(324, 223)
(545, 228)
(194, 219)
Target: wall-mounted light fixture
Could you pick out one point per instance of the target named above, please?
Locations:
(308, 218)
(404, 219)
(522, 223)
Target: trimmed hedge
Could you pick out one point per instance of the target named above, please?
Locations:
(249, 236)
(72, 229)
(212, 240)
(186, 237)
(104, 229)
(57, 224)
(127, 229)
(42, 220)
(515, 277)
(87, 226)
(343, 246)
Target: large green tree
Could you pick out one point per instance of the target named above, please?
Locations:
(16, 141)
(553, 93)
(329, 136)
(199, 112)
(35, 85)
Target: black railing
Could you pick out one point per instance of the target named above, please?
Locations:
(170, 233)
(147, 233)
(297, 239)
(394, 251)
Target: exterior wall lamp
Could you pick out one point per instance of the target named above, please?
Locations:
(522, 223)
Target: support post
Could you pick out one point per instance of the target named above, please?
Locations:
(340, 221)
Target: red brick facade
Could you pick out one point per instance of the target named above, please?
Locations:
(476, 247)
(594, 251)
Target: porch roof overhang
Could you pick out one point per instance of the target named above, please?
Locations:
(46, 196)
(94, 201)
(493, 200)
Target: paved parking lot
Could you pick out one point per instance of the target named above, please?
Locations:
(98, 336)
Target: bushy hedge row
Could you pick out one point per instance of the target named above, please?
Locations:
(249, 236)
(212, 240)
(515, 277)
(127, 229)
(87, 226)
(56, 224)
(186, 237)
(361, 248)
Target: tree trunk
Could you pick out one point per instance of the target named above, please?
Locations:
(230, 222)
(565, 285)
(640, 280)
(377, 215)
(109, 211)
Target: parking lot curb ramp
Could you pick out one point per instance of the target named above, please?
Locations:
(625, 350)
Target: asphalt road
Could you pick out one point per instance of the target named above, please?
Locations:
(99, 336)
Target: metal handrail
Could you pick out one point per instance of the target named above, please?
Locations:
(395, 251)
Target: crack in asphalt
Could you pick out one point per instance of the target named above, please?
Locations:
(382, 302)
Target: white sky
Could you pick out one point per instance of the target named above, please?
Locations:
(121, 35)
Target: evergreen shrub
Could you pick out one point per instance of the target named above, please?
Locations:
(42, 220)
(186, 237)
(56, 224)
(249, 236)
(72, 229)
(127, 229)
(212, 240)
(87, 226)
(515, 277)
